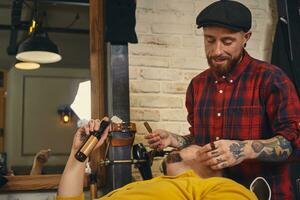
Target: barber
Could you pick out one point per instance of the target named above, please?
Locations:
(240, 108)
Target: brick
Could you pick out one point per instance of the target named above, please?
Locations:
(145, 16)
(149, 61)
(174, 88)
(133, 72)
(200, 5)
(160, 74)
(187, 63)
(139, 138)
(146, 4)
(155, 101)
(185, 128)
(145, 114)
(178, 5)
(160, 40)
(160, 28)
(251, 4)
(173, 17)
(174, 127)
(142, 27)
(261, 14)
(178, 115)
(141, 130)
(189, 75)
(164, 16)
(144, 87)
(192, 41)
(148, 50)
(198, 31)
(183, 52)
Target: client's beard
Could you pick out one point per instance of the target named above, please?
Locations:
(171, 158)
(225, 69)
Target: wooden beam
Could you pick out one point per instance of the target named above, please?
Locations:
(97, 58)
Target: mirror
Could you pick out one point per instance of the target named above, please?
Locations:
(32, 121)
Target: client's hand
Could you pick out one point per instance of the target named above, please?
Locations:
(40, 159)
(82, 133)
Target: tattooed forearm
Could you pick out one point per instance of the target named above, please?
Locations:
(183, 141)
(274, 149)
(237, 149)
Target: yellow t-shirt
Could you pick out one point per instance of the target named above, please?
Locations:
(187, 186)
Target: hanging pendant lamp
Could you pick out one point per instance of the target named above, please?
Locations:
(27, 65)
(38, 48)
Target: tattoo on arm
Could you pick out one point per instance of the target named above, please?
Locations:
(275, 149)
(183, 141)
(237, 149)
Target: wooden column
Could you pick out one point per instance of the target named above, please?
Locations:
(97, 66)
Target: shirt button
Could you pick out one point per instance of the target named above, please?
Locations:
(219, 114)
(231, 81)
(216, 82)
(221, 91)
(223, 77)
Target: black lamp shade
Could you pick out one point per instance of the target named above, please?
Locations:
(38, 48)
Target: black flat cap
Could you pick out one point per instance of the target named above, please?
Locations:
(229, 14)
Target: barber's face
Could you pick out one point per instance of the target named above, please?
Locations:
(223, 48)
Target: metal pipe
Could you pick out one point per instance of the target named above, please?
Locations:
(49, 29)
(71, 2)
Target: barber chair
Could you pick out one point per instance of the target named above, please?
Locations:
(140, 158)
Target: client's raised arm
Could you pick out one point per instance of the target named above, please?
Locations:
(71, 183)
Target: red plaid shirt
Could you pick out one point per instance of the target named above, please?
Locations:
(255, 101)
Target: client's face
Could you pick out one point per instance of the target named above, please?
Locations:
(179, 161)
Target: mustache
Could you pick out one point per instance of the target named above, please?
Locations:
(174, 158)
(221, 57)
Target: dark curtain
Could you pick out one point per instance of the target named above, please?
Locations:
(286, 46)
(120, 21)
(286, 55)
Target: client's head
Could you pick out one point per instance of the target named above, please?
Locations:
(179, 161)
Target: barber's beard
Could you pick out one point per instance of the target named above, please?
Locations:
(222, 65)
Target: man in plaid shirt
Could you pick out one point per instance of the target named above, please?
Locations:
(243, 111)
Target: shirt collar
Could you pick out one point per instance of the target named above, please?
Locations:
(238, 69)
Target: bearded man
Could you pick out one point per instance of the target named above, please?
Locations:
(243, 111)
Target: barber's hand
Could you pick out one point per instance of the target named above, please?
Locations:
(159, 139)
(223, 153)
(82, 133)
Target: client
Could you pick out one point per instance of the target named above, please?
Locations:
(185, 178)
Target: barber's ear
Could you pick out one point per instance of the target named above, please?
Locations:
(247, 36)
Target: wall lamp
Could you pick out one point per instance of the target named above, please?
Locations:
(65, 113)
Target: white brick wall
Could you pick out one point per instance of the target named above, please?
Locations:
(170, 53)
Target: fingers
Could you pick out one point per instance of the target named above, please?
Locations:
(154, 141)
(209, 151)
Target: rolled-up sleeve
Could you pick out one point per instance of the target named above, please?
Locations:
(81, 197)
(283, 108)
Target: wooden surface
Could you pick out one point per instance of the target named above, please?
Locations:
(35, 182)
(97, 58)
